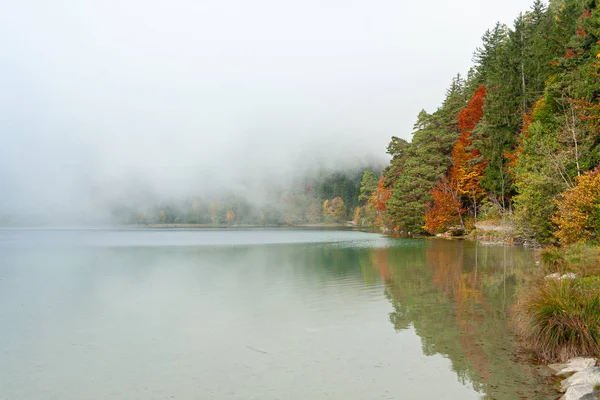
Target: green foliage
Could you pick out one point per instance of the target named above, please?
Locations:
(368, 185)
(398, 149)
(489, 210)
(541, 174)
(340, 184)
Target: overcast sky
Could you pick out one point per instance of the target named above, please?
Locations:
(180, 94)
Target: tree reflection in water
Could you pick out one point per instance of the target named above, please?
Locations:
(456, 296)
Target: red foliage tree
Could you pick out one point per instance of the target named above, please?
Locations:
(445, 209)
(473, 112)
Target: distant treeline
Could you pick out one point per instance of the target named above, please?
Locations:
(326, 197)
(517, 139)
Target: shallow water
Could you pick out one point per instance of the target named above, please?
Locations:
(257, 314)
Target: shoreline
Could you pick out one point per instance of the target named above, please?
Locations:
(234, 226)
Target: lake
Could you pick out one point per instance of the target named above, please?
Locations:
(257, 314)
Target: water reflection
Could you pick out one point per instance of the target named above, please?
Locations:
(456, 296)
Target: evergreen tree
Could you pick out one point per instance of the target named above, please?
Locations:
(368, 185)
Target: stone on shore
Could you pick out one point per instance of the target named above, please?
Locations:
(580, 392)
(560, 277)
(573, 365)
(581, 385)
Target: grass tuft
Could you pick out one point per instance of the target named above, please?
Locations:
(560, 319)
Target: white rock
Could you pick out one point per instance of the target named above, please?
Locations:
(575, 365)
(555, 275)
(588, 376)
(569, 275)
(580, 392)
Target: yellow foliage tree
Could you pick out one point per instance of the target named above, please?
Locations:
(230, 215)
(578, 215)
(334, 209)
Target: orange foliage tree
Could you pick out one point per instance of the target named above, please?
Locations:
(467, 168)
(378, 201)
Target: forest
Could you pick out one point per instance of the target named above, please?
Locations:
(515, 140)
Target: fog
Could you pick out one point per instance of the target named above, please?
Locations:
(108, 99)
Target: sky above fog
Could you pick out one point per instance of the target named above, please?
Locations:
(181, 96)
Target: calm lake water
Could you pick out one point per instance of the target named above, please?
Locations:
(257, 314)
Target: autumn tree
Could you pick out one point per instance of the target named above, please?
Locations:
(445, 210)
(377, 205)
(334, 209)
(578, 214)
(230, 216)
(467, 163)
